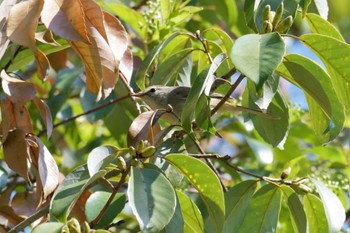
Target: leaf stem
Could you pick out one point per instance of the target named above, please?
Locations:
(205, 45)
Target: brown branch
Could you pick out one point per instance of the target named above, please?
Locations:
(110, 199)
(205, 46)
(228, 94)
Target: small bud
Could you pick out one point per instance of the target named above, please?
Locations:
(148, 151)
(266, 27)
(86, 227)
(284, 25)
(285, 173)
(266, 13)
(121, 163)
(140, 146)
(278, 15)
(74, 226)
(132, 151)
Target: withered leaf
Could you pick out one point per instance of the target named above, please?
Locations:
(66, 19)
(45, 114)
(15, 153)
(126, 65)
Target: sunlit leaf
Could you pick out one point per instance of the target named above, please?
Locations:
(205, 181)
(263, 210)
(316, 217)
(151, 197)
(257, 56)
(334, 209)
(321, 26)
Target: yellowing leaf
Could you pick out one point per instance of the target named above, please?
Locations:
(43, 64)
(15, 153)
(65, 18)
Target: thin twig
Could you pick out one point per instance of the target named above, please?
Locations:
(228, 94)
(110, 199)
(205, 46)
(40, 213)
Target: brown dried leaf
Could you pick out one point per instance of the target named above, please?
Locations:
(46, 37)
(22, 118)
(101, 71)
(43, 64)
(15, 153)
(17, 90)
(66, 19)
(48, 170)
(94, 15)
(5, 7)
(142, 129)
(24, 203)
(22, 22)
(126, 65)
(45, 114)
(8, 213)
(8, 121)
(58, 60)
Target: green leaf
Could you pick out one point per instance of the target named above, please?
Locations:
(236, 204)
(97, 201)
(257, 56)
(205, 181)
(273, 130)
(70, 190)
(316, 217)
(217, 34)
(177, 222)
(100, 157)
(262, 214)
(326, 110)
(296, 209)
(148, 61)
(191, 215)
(49, 227)
(167, 71)
(334, 209)
(334, 55)
(151, 198)
(321, 26)
(202, 84)
(249, 14)
(304, 4)
(165, 10)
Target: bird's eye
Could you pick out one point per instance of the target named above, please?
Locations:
(152, 90)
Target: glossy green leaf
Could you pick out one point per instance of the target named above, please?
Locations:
(192, 217)
(148, 61)
(49, 227)
(97, 201)
(321, 26)
(201, 85)
(263, 211)
(70, 190)
(326, 110)
(151, 198)
(296, 209)
(168, 70)
(236, 204)
(249, 14)
(316, 217)
(205, 181)
(100, 157)
(334, 55)
(257, 56)
(334, 209)
(272, 130)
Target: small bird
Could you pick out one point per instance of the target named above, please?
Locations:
(160, 97)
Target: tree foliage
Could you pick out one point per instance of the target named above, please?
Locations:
(81, 154)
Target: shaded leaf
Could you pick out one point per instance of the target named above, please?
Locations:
(313, 80)
(97, 201)
(296, 209)
(45, 114)
(334, 209)
(263, 211)
(257, 56)
(43, 65)
(100, 157)
(17, 90)
(15, 153)
(205, 181)
(8, 213)
(52, 227)
(193, 220)
(236, 204)
(48, 170)
(316, 217)
(69, 191)
(151, 197)
(5, 7)
(176, 223)
(24, 203)
(46, 37)
(66, 19)
(3, 178)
